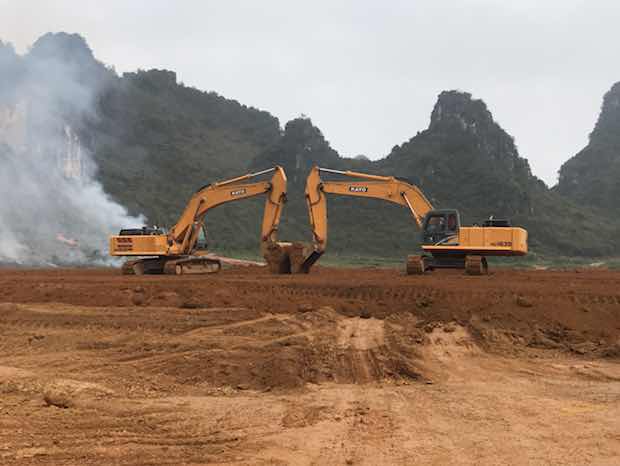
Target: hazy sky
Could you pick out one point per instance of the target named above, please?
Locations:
(366, 72)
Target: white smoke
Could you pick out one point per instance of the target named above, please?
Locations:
(53, 211)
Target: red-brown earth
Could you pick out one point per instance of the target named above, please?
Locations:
(341, 366)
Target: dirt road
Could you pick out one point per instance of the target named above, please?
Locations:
(343, 366)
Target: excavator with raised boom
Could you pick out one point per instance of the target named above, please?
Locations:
(182, 250)
(445, 243)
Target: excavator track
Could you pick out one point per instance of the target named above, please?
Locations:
(417, 265)
(192, 266)
(128, 268)
(148, 266)
(176, 266)
(476, 265)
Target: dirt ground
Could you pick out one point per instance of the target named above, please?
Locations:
(342, 366)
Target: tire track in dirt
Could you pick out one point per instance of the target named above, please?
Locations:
(359, 337)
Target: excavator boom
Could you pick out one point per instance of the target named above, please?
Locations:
(374, 186)
(183, 235)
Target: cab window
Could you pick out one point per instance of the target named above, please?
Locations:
(436, 223)
(452, 222)
(201, 242)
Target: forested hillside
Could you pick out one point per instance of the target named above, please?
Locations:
(592, 177)
(153, 141)
(465, 160)
(157, 140)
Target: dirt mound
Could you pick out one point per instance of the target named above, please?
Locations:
(568, 311)
(264, 351)
(250, 329)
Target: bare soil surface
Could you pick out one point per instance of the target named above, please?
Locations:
(342, 366)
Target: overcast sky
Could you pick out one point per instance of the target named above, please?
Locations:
(366, 72)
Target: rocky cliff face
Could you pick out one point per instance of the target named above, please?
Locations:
(301, 146)
(12, 108)
(13, 119)
(592, 176)
(464, 159)
(53, 209)
(48, 95)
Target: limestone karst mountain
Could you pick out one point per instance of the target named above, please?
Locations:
(151, 141)
(592, 177)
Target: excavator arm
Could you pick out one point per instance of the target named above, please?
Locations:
(387, 188)
(184, 235)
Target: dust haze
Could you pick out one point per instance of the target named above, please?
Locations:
(53, 211)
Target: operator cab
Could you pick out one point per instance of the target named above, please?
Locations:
(202, 241)
(441, 227)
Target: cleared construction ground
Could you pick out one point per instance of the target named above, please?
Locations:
(342, 366)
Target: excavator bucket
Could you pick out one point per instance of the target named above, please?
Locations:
(302, 257)
(285, 257)
(192, 265)
(172, 266)
(277, 256)
(308, 260)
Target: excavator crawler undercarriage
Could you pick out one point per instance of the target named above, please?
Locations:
(473, 265)
(172, 266)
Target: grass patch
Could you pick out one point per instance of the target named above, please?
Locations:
(532, 260)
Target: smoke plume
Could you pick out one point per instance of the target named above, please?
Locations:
(53, 211)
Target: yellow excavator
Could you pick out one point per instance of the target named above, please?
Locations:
(182, 250)
(445, 243)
